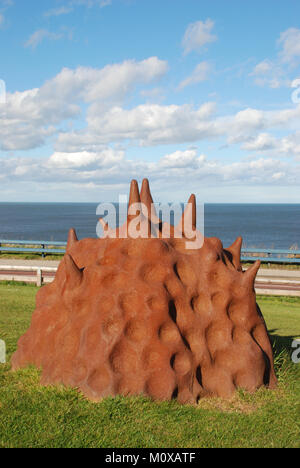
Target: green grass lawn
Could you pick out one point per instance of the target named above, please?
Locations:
(36, 416)
(30, 256)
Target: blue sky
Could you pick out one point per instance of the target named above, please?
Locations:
(196, 95)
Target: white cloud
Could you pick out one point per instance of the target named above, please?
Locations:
(153, 124)
(40, 35)
(106, 157)
(111, 83)
(290, 42)
(33, 115)
(263, 67)
(271, 74)
(276, 73)
(110, 167)
(1, 20)
(265, 142)
(149, 124)
(248, 122)
(197, 35)
(181, 159)
(200, 73)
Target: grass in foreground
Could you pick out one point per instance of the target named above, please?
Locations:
(30, 256)
(34, 416)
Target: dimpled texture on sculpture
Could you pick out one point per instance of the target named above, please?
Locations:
(147, 316)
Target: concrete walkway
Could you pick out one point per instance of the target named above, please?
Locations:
(37, 263)
(269, 281)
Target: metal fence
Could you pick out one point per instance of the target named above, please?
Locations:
(39, 247)
(51, 248)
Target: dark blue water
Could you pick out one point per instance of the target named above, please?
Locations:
(262, 226)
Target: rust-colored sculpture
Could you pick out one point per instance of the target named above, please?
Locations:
(148, 316)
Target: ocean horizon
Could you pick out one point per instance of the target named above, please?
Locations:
(262, 225)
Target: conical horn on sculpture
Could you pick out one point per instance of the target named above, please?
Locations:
(235, 250)
(250, 274)
(72, 239)
(134, 197)
(189, 216)
(74, 274)
(147, 201)
(146, 197)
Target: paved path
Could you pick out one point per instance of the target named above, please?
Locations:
(38, 263)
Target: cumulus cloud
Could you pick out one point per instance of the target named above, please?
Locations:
(249, 122)
(30, 116)
(154, 124)
(265, 142)
(148, 124)
(197, 35)
(106, 157)
(111, 167)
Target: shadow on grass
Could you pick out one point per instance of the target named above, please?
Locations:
(281, 343)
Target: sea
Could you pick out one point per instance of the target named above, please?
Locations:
(261, 225)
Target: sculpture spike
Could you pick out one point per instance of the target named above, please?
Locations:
(72, 239)
(190, 213)
(146, 197)
(74, 274)
(193, 207)
(134, 197)
(147, 201)
(250, 274)
(235, 250)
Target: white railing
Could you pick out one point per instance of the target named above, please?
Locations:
(22, 273)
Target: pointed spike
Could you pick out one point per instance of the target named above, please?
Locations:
(251, 273)
(72, 239)
(134, 197)
(147, 201)
(146, 197)
(237, 245)
(193, 208)
(190, 213)
(74, 275)
(235, 250)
